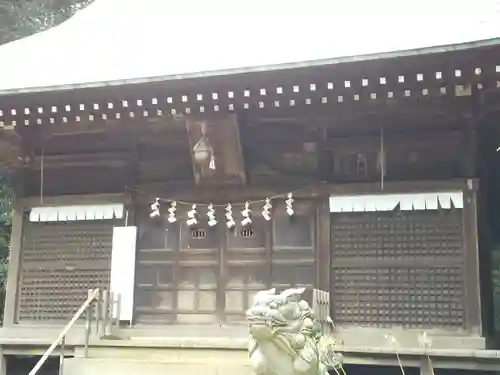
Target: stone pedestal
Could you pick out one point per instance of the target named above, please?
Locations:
(426, 367)
(3, 363)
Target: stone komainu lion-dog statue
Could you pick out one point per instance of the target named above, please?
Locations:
(285, 337)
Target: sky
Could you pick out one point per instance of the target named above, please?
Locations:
(119, 40)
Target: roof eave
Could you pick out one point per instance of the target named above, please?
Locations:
(263, 68)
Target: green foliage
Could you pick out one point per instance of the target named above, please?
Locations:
(19, 19)
(6, 197)
(496, 287)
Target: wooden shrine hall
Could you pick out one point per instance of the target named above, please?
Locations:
(184, 177)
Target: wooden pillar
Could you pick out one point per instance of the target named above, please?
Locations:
(12, 288)
(323, 245)
(471, 259)
(469, 134)
(3, 363)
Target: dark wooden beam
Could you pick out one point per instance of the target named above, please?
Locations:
(301, 189)
(133, 162)
(470, 141)
(102, 159)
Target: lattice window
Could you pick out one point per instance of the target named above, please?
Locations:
(412, 297)
(60, 262)
(247, 233)
(198, 234)
(398, 269)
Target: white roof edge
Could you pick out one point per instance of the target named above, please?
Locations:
(388, 202)
(263, 68)
(77, 212)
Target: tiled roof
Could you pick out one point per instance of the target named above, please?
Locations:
(132, 40)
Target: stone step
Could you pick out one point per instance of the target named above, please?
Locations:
(120, 366)
(167, 354)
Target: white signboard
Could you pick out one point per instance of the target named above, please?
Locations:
(123, 269)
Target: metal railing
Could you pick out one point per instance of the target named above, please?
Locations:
(101, 307)
(106, 316)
